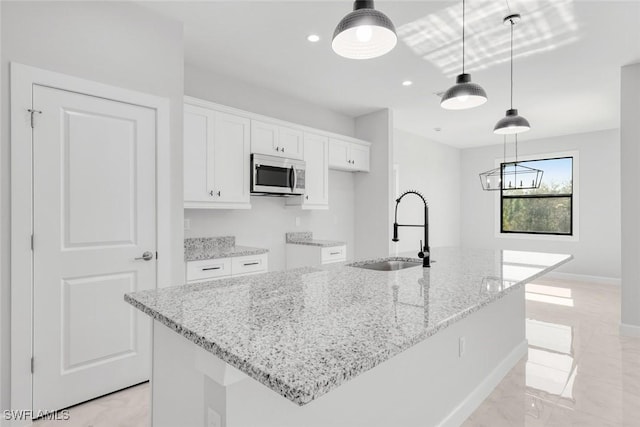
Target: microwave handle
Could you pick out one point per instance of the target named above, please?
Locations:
(293, 178)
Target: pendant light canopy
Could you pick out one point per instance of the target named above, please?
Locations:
(511, 176)
(511, 123)
(464, 94)
(364, 33)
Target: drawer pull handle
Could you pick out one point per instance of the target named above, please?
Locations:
(250, 263)
(211, 268)
(335, 253)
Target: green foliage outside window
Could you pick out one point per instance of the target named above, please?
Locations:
(545, 210)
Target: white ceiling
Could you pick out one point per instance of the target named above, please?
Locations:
(567, 66)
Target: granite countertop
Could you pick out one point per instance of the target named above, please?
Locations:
(203, 248)
(306, 238)
(304, 332)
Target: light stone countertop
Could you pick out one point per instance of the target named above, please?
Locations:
(204, 248)
(304, 332)
(306, 238)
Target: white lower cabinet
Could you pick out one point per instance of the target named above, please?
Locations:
(316, 156)
(217, 149)
(313, 256)
(349, 156)
(220, 268)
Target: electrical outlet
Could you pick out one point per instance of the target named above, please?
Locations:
(187, 224)
(213, 418)
(462, 346)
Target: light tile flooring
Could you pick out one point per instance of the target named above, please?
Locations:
(579, 371)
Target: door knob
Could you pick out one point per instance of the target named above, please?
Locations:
(147, 256)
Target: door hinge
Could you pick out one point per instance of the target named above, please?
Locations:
(32, 365)
(32, 111)
(32, 242)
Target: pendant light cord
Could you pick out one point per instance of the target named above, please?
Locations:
(463, 36)
(512, 24)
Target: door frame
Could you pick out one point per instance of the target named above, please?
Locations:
(23, 78)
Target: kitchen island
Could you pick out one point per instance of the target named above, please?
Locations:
(341, 345)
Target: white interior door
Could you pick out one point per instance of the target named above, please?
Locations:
(94, 214)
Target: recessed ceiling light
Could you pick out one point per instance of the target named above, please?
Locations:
(407, 83)
(313, 38)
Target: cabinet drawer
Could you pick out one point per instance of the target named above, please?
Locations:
(208, 269)
(249, 264)
(333, 254)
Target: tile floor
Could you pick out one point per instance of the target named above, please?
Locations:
(579, 371)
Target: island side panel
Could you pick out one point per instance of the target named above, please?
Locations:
(426, 385)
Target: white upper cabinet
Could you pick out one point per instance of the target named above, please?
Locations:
(275, 140)
(316, 156)
(198, 130)
(216, 159)
(348, 156)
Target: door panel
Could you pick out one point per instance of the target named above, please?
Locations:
(316, 153)
(339, 154)
(360, 157)
(264, 138)
(291, 143)
(94, 213)
(198, 131)
(231, 147)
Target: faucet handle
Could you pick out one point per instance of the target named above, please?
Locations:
(420, 253)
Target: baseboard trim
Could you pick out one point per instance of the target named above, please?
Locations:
(484, 389)
(584, 278)
(629, 330)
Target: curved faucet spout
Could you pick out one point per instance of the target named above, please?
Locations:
(424, 252)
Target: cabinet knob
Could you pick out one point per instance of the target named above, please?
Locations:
(277, 148)
(283, 149)
(211, 193)
(219, 193)
(306, 197)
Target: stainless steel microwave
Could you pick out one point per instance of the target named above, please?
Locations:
(278, 176)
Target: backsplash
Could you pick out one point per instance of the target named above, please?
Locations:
(296, 236)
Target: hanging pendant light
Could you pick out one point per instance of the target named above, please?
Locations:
(512, 122)
(512, 175)
(464, 94)
(364, 33)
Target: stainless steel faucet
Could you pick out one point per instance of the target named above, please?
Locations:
(424, 252)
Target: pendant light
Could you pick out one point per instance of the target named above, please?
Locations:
(512, 122)
(364, 33)
(464, 94)
(512, 175)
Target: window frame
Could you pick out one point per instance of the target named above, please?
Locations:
(538, 196)
(575, 201)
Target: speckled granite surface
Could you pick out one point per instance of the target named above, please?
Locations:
(201, 248)
(304, 332)
(306, 238)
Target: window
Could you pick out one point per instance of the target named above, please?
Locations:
(545, 210)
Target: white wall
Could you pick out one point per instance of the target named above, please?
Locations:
(630, 174)
(434, 170)
(120, 44)
(373, 190)
(266, 223)
(205, 84)
(597, 253)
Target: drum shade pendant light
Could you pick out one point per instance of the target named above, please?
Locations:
(512, 122)
(512, 175)
(364, 33)
(464, 94)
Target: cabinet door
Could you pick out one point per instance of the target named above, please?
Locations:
(290, 143)
(264, 138)
(339, 154)
(359, 157)
(231, 148)
(316, 156)
(198, 135)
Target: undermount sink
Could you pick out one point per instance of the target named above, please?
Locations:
(390, 265)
